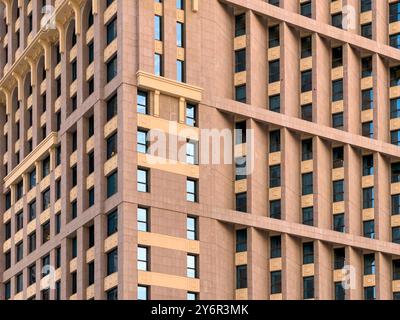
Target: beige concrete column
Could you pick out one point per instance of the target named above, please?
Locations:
(290, 176)
(353, 190)
(323, 270)
(354, 259)
(322, 183)
(256, 60)
(383, 276)
(351, 90)
(321, 11)
(169, 39)
(382, 198)
(290, 5)
(380, 21)
(289, 62)
(257, 160)
(291, 268)
(100, 265)
(257, 264)
(321, 81)
(381, 99)
(82, 275)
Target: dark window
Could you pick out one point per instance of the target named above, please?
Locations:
(32, 274)
(180, 70)
(367, 99)
(396, 269)
(7, 260)
(112, 223)
(369, 293)
(366, 30)
(275, 247)
(112, 145)
(45, 199)
(339, 291)
(368, 165)
(112, 184)
(366, 67)
(191, 227)
(337, 120)
(395, 204)
(369, 229)
(91, 197)
(74, 282)
(112, 261)
(306, 9)
(338, 191)
(19, 251)
(112, 107)
(241, 240)
(396, 235)
(19, 283)
(275, 103)
(395, 108)
(274, 176)
(7, 230)
(90, 52)
(306, 150)
(74, 247)
(395, 137)
(337, 90)
(111, 30)
(241, 277)
(394, 12)
(276, 282)
(158, 64)
(308, 216)
(274, 71)
(306, 47)
(112, 68)
(112, 294)
(58, 223)
(240, 25)
(240, 93)
(337, 157)
(90, 273)
(240, 60)
(368, 198)
(142, 141)
(369, 264)
(306, 112)
(306, 81)
(91, 236)
(307, 183)
(19, 221)
(308, 252)
(339, 258)
(368, 129)
(337, 57)
(275, 141)
(308, 287)
(240, 133)
(394, 40)
(91, 162)
(273, 36)
(395, 76)
(275, 209)
(240, 168)
(366, 5)
(337, 20)
(46, 232)
(241, 202)
(7, 290)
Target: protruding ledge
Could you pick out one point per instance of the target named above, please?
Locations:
(170, 87)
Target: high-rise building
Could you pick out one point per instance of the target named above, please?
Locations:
(304, 96)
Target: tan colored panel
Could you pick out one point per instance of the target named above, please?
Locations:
(307, 166)
(73, 193)
(241, 294)
(394, 27)
(307, 200)
(44, 216)
(73, 159)
(366, 83)
(31, 227)
(110, 12)
(110, 126)
(239, 42)
(274, 53)
(337, 106)
(110, 165)
(7, 245)
(240, 150)
(73, 265)
(366, 17)
(308, 270)
(111, 242)
(180, 16)
(367, 115)
(368, 214)
(168, 242)
(306, 98)
(275, 193)
(90, 292)
(163, 164)
(110, 50)
(240, 258)
(274, 88)
(18, 236)
(395, 188)
(338, 207)
(90, 254)
(396, 285)
(168, 281)
(89, 144)
(395, 221)
(337, 73)
(275, 264)
(367, 181)
(241, 186)
(337, 174)
(240, 78)
(6, 215)
(276, 296)
(306, 63)
(336, 6)
(369, 280)
(274, 158)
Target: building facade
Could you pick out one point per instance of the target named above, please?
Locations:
(309, 92)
